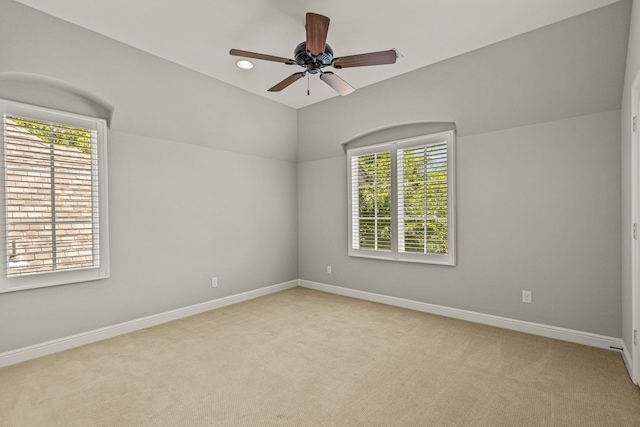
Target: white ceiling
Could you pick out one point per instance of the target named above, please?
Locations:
(198, 34)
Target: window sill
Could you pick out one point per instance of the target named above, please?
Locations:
(444, 262)
(67, 281)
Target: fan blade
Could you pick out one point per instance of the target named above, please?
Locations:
(286, 82)
(317, 29)
(365, 59)
(339, 85)
(244, 53)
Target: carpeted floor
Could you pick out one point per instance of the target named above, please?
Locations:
(307, 358)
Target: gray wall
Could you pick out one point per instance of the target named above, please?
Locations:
(202, 182)
(538, 176)
(632, 70)
(538, 209)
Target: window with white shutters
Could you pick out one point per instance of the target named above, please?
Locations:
(402, 204)
(54, 221)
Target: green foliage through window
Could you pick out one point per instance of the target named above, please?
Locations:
(402, 199)
(374, 201)
(422, 201)
(56, 133)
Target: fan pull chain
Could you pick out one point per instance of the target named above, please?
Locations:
(308, 91)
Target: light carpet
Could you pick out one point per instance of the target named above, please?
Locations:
(306, 358)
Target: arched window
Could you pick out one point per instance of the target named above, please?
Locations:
(53, 190)
(402, 195)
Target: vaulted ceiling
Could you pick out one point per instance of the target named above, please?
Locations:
(198, 34)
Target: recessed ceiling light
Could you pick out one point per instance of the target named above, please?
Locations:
(244, 64)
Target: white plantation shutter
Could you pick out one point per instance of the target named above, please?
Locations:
(371, 201)
(53, 226)
(423, 199)
(402, 200)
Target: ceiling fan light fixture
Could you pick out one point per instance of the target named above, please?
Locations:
(244, 64)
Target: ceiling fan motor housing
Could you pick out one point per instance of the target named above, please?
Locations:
(306, 60)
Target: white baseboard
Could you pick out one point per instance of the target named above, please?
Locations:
(563, 334)
(66, 343)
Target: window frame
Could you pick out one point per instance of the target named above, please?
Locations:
(56, 278)
(394, 148)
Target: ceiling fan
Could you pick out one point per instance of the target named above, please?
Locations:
(314, 54)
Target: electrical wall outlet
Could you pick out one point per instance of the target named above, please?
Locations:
(328, 269)
(526, 297)
(214, 282)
